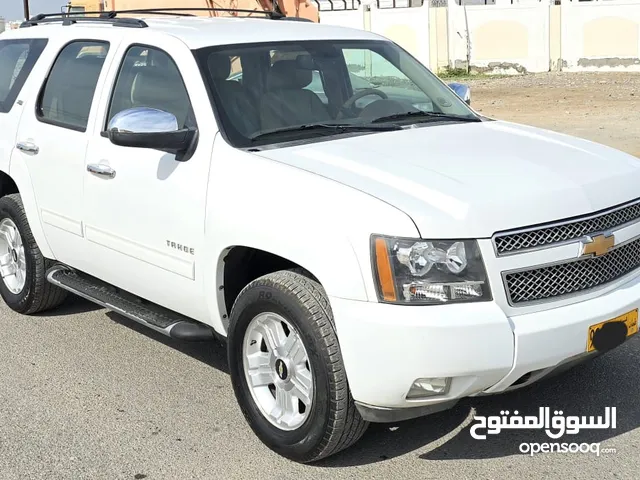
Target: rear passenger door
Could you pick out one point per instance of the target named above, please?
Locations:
(17, 58)
(52, 141)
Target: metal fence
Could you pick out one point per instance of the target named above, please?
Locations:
(337, 5)
(331, 5)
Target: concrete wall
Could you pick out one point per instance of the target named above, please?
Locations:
(601, 36)
(505, 37)
(555, 38)
(420, 30)
(346, 18)
(502, 39)
(411, 32)
(438, 38)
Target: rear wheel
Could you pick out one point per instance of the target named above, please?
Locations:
(23, 287)
(287, 369)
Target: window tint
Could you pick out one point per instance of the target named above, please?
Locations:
(369, 69)
(150, 78)
(17, 58)
(227, 63)
(308, 82)
(68, 92)
(291, 54)
(375, 69)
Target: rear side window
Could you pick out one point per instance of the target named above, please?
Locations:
(68, 91)
(17, 58)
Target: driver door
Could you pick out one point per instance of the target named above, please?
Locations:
(144, 209)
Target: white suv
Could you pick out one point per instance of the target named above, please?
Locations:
(365, 262)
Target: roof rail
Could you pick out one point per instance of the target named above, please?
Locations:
(74, 17)
(296, 19)
(70, 18)
(274, 14)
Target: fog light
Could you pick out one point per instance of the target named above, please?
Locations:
(429, 387)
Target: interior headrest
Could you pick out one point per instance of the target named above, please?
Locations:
(153, 83)
(84, 68)
(89, 60)
(219, 66)
(287, 74)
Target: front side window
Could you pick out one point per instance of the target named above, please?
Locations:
(68, 92)
(311, 89)
(17, 58)
(149, 77)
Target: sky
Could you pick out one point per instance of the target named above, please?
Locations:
(13, 9)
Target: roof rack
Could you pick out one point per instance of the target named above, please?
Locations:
(74, 17)
(70, 18)
(275, 14)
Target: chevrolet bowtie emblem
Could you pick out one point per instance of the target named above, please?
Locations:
(598, 245)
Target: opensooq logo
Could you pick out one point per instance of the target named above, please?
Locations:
(555, 426)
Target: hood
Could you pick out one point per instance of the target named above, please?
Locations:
(471, 180)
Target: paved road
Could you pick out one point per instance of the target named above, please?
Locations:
(88, 394)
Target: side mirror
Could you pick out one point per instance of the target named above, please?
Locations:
(143, 127)
(462, 90)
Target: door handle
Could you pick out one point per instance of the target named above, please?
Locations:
(28, 147)
(101, 170)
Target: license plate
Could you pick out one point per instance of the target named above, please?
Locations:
(629, 318)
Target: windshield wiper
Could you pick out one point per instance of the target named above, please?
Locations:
(326, 128)
(429, 115)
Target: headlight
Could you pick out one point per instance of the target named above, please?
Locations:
(410, 271)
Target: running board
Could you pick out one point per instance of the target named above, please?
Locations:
(157, 318)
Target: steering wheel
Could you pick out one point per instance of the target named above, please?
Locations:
(348, 105)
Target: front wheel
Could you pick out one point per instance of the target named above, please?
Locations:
(287, 369)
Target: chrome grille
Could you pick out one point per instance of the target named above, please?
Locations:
(549, 234)
(557, 280)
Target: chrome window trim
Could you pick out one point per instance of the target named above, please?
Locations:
(560, 223)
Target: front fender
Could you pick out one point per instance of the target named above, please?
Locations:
(312, 221)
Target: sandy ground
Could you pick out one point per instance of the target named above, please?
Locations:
(88, 395)
(603, 107)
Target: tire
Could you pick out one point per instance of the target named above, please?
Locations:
(332, 422)
(36, 294)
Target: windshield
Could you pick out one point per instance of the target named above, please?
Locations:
(272, 92)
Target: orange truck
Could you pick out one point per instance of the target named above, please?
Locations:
(291, 8)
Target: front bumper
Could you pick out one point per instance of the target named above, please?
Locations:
(387, 347)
